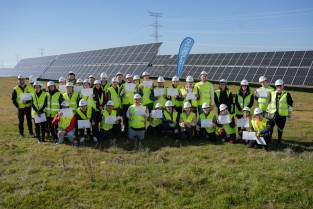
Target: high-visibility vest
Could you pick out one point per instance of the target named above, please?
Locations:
(243, 102)
(31, 89)
(154, 122)
(184, 91)
(128, 97)
(210, 116)
(38, 102)
(218, 94)
(64, 123)
(264, 102)
(145, 99)
(106, 126)
(53, 106)
(18, 98)
(204, 92)
(168, 117)
(162, 100)
(189, 118)
(262, 126)
(227, 128)
(283, 109)
(115, 98)
(175, 102)
(91, 101)
(105, 87)
(72, 100)
(136, 121)
(88, 113)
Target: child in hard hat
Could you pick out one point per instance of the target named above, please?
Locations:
(246, 115)
(155, 127)
(189, 88)
(107, 128)
(159, 99)
(187, 122)
(207, 133)
(171, 120)
(177, 104)
(227, 131)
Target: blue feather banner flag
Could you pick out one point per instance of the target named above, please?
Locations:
(183, 54)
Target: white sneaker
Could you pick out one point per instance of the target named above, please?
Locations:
(94, 139)
(82, 140)
(58, 142)
(223, 140)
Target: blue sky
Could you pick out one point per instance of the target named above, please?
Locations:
(216, 26)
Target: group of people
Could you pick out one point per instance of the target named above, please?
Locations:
(181, 114)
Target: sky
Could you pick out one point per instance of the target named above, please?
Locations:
(64, 26)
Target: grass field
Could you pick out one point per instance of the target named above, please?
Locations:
(157, 172)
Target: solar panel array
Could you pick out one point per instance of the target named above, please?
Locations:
(294, 67)
(4, 72)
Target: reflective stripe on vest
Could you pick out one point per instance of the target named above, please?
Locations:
(175, 102)
(210, 116)
(146, 95)
(283, 109)
(227, 128)
(261, 127)
(53, 106)
(72, 100)
(243, 103)
(128, 97)
(136, 121)
(88, 112)
(18, 98)
(204, 92)
(168, 117)
(162, 100)
(106, 126)
(184, 91)
(64, 123)
(263, 102)
(38, 102)
(114, 97)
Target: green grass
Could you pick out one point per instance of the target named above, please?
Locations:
(157, 172)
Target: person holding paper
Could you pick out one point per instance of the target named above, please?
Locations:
(55, 98)
(177, 103)
(227, 131)
(65, 124)
(39, 103)
(244, 98)
(280, 108)
(62, 82)
(113, 95)
(188, 89)
(93, 99)
(187, 122)
(171, 120)
(246, 115)
(155, 127)
(146, 92)
(223, 96)
(263, 102)
(206, 92)
(104, 83)
(31, 80)
(207, 132)
(101, 95)
(107, 128)
(84, 112)
(159, 99)
(92, 79)
(71, 78)
(23, 107)
(71, 96)
(262, 127)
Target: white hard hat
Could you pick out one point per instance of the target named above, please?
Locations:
(50, 83)
(246, 109)
(110, 103)
(114, 80)
(86, 81)
(70, 84)
(175, 78)
(223, 81)
(129, 76)
(20, 76)
(71, 72)
(279, 82)
(158, 105)
(145, 73)
(137, 96)
(79, 81)
(62, 79)
(257, 111)
(37, 83)
(82, 102)
(136, 77)
(223, 107)
(97, 82)
(203, 73)
(32, 79)
(244, 83)
(91, 76)
(187, 105)
(262, 78)
(189, 79)
(169, 104)
(160, 79)
(103, 75)
(119, 73)
(43, 86)
(65, 103)
(205, 105)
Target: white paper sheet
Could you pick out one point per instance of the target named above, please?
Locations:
(140, 111)
(260, 140)
(147, 84)
(191, 96)
(40, 119)
(62, 88)
(26, 96)
(130, 86)
(156, 113)
(262, 93)
(243, 122)
(87, 92)
(83, 124)
(172, 91)
(67, 113)
(248, 135)
(158, 92)
(78, 89)
(110, 119)
(223, 119)
(205, 123)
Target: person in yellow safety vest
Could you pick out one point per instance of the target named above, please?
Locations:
(137, 119)
(71, 96)
(155, 127)
(101, 95)
(224, 96)
(207, 132)
(262, 128)
(263, 102)
(244, 98)
(32, 79)
(92, 79)
(93, 99)
(187, 122)
(205, 91)
(66, 124)
(106, 127)
(146, 92)
(280, 108)
(177, 104)
(87, 112)
(227, 131)
(113, 95)
(55, 98)
(171, 120)
(189, 88)
(104, 83)
(23, 106)
(119, 77)
(246, 115)
(159, 99)
(39, 103)
(62, 82)
(136, 80)
(71, 78)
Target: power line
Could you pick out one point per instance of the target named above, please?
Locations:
(41, 51)
(156, 25)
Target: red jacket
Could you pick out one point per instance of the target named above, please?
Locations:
(55, 121)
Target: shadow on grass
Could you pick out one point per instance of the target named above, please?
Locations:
(297, 146)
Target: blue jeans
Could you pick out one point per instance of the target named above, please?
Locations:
(69, 134)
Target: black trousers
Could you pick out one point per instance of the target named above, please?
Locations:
(187, 133)
(155, 131)
(95, 131)
(115, 131)
(280, 122)
(21, 113)
(40, 127)
(53, 128)
(204, 135)
(125, 119)
(267, 138)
